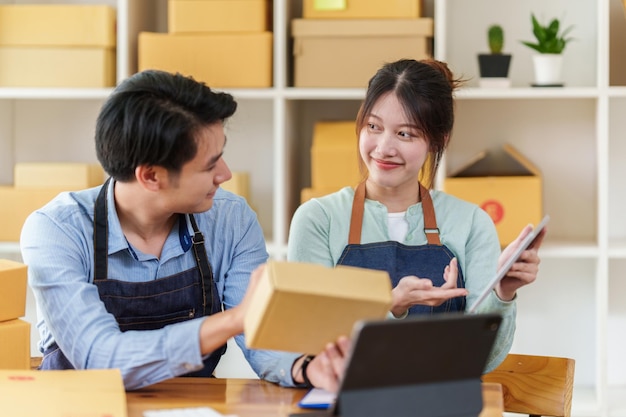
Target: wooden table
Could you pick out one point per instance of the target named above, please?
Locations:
(247, 397)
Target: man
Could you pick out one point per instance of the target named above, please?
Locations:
(135, 274)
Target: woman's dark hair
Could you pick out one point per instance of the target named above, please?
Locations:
(425, 90)
(152, 118)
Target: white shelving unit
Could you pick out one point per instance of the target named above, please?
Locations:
(574, 134)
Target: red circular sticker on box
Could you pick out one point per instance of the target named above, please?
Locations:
(494, 209)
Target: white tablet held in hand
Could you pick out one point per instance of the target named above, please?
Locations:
(528, 240)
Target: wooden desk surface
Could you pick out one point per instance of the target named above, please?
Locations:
(247, 397)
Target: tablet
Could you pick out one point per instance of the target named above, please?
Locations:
(509, 263)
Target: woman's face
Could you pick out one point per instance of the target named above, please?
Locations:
(391, 146)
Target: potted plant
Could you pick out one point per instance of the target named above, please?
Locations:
(494, 66)
(549, 46)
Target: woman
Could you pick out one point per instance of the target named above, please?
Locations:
(440, 251)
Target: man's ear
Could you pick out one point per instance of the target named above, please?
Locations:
(149, 177)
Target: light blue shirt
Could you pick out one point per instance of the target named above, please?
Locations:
(320, 228)
(57, 245)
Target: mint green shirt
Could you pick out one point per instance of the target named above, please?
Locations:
(320, 227)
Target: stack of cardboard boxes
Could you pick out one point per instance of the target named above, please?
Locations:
(224, 43)
(44, 45)
(341, 43)
(35, 184)
(14, 332)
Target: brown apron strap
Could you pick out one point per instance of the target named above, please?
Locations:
(430, 221)
(356, 220)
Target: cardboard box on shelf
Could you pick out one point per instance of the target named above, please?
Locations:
(361, 9)
(185, 16)
(18, 204)
(69, 175)
(334, 155)
(13, 283)
(57, 66)
(506, 185)
(210, 58)
(57, 25)
(299, 307)
(15, 347)
(308, 193)
(239, 184)
(347, 53)
(92, 392)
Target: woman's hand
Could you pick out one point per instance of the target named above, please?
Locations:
(524, 271)
(327, 367)
(412, 290)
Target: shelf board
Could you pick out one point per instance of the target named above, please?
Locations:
(617, 91)
(296, 93)
(527, 92)
(54, 93)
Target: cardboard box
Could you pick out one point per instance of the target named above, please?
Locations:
(13, 282)
(334, 155)
(57, 25)
(68, 175)
(93, 392)
(300, 307)
(49, 66)
(220, 60)
(308, 193)
(347, 53)
(361, 9)
(18, 204)
(185, 16)
(239, 184)
(15, 348)
(506, 185)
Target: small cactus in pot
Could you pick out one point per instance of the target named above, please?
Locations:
(494, 66)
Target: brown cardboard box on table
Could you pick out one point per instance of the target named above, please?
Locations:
(362, 9)
(347, 53)
(15, 347)
(57, 45)
(74, 393)
(13, 282)
(184, 16)
(300, 307)
(234, 60)
(506, 185)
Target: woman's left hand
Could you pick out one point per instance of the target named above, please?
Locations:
(524, 271)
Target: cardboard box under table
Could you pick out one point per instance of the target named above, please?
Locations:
(242, 59)
(506, 185)
(57, 45)
(185, 16)
(347, 53)
(13, 282)
(15, 345)
(300, 307)
(361, 9)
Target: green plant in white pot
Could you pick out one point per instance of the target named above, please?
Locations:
(550, 44)
(494, 66)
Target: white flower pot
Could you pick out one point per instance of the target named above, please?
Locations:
(548, 69)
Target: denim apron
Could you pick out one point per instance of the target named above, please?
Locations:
(399, 260)
(154, 304)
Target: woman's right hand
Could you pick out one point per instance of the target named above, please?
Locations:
(412, 290)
